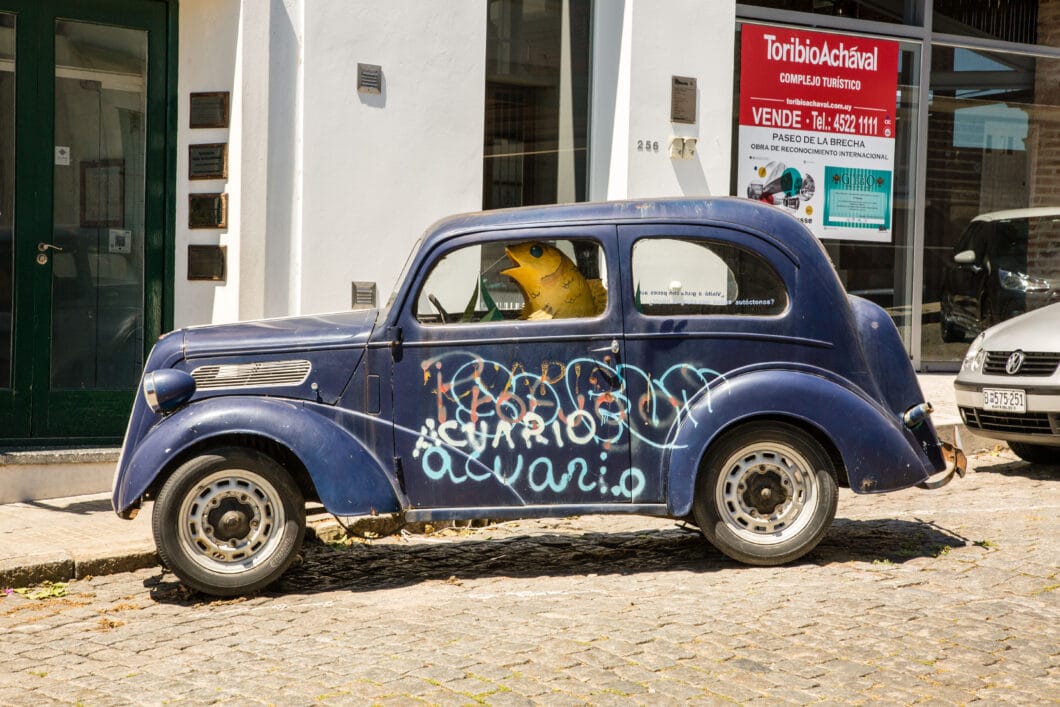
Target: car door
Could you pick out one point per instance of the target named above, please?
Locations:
(506, 387)
(706, 302)
(966, 274)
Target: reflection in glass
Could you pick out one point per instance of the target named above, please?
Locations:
(881, 272)
(876, 10)
(992, 221)
(1011, 21)
(991, 275)
(97, 276)
(537, 102)
(7, 193)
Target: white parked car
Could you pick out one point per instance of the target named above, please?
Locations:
(1009, 384)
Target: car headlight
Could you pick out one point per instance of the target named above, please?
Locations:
(973, 360)
(167, 389)
(1021, 282)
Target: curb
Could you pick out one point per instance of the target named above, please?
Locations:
(63, 567)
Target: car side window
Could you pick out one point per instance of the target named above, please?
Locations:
(678, 277)
(530, 280)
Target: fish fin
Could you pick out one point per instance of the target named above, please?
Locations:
(599, 292)
(539, 315)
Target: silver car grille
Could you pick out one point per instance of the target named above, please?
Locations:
(1034, 363)
(251, 375)
(1031, 423)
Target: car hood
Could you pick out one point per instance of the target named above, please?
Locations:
(290, 334)
(1033, 331)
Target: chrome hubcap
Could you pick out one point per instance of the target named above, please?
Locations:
(232, 521)
(767, 493)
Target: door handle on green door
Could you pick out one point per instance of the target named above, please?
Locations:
(42, 255)
(43, 247)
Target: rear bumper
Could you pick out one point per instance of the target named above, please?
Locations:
(956, 466)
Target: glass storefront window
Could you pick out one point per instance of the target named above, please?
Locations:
(7, 192)
(879, 271)
(537, 102)
(992, 212)
(1010, 21)
(895, 11)
(99, 207)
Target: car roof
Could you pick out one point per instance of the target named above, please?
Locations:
(767, 222)
(1010, 214)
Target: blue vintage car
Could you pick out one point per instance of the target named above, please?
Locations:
(691, 359)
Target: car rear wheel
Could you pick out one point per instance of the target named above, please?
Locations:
(1036, 453)
(766, 494)
(229, 522)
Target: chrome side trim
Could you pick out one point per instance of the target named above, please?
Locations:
(263, 374)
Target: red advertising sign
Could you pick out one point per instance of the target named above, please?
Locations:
(801, 80)
(817, 127)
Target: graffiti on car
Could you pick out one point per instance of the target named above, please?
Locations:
(495, 421)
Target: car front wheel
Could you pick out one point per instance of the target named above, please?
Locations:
(229, 522)
(766, 494)
(1036, 453)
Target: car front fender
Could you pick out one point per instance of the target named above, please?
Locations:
(348, 479)
(878, 452)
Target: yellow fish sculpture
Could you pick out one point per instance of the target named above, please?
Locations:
(551, 285)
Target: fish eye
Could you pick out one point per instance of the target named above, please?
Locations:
(536, 250)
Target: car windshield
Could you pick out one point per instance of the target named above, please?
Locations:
(401, 278)
(1022, 238)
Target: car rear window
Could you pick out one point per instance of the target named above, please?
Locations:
(680, 277)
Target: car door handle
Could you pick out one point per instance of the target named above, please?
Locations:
(613, 348)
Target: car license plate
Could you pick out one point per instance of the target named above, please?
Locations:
(1005, 400)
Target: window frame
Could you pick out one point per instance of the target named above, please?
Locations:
(706, 241)
(610, 320)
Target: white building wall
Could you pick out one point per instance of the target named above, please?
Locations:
(379, 169)
(210, 44)
(328, 185)
(638, 46)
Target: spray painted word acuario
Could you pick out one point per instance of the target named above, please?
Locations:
(492, 422)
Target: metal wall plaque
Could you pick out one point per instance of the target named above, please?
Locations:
(209, 110)
(208, 161)
(683, 100)
(207, 210)
(207, 262)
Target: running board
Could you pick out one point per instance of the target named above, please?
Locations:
(525, 512)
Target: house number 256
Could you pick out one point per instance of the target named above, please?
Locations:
(647, 145)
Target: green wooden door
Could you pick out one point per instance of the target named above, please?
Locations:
(83, 193)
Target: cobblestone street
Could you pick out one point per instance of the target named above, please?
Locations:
(948, 596)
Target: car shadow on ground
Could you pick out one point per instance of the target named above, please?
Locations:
(364, 567)
(81, 508)
(1028, 470)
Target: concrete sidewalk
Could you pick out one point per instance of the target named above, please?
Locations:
(69, 538)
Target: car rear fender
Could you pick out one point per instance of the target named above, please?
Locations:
(348, 479)
(877, 452)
